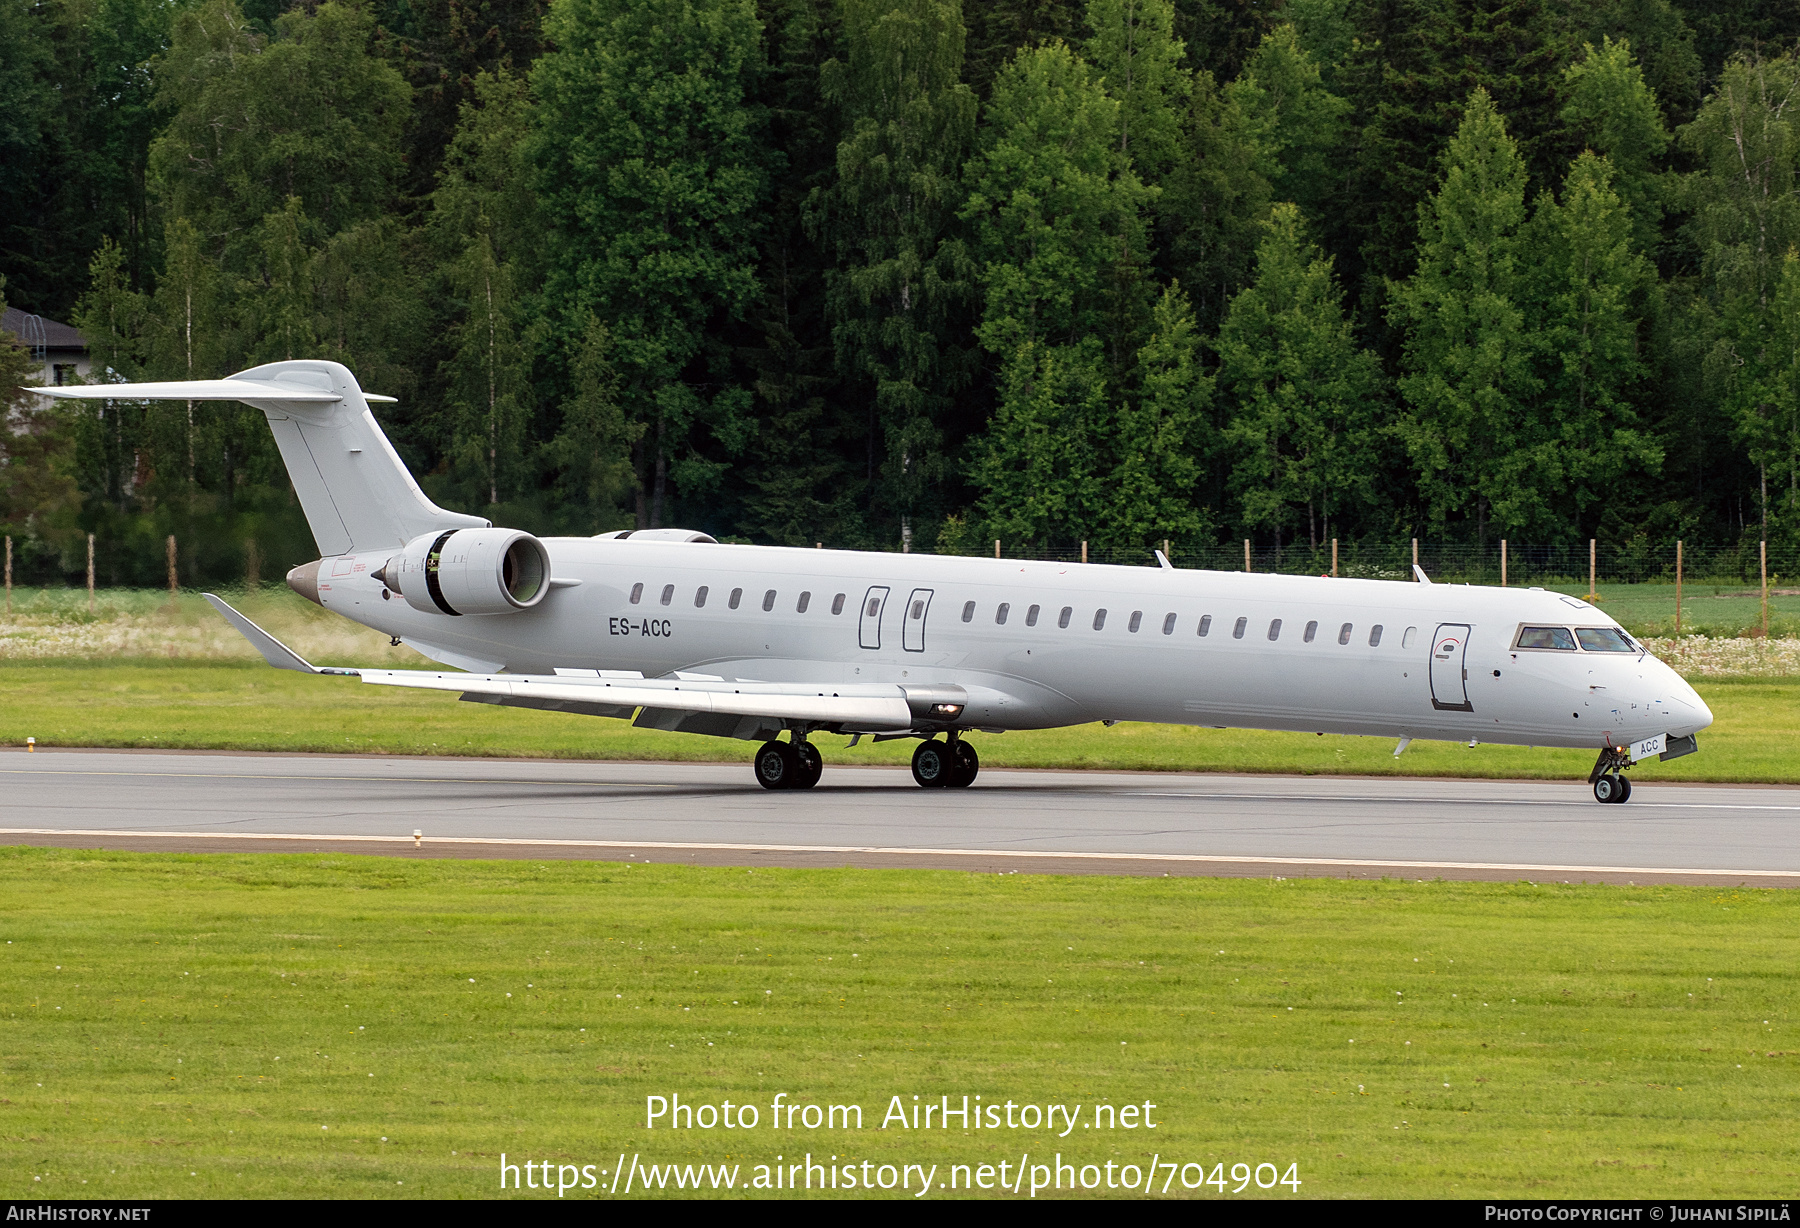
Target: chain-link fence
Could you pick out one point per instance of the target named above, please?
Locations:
(1635, 562)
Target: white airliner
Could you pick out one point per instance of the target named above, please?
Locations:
(675, 631)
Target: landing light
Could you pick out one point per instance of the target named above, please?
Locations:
(949, 710)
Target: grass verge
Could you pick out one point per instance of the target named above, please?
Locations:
(232, 706)
(348, 1027)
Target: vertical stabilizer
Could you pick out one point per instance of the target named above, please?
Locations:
(356, 492)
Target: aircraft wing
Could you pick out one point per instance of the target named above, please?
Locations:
(871, 706)
(198, 390)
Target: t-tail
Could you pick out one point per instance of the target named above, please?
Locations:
(352, 485)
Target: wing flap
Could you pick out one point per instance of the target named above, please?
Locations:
(876, 706)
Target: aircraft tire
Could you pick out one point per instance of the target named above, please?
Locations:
(777, 767)
(810, 765)
(966, 764)
(1611, 789)
(932, 765)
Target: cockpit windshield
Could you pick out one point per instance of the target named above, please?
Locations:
(1604, 639)
(1546, 637)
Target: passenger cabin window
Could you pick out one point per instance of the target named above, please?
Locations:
(1604, 639)
(768, 601)
(874, 606)
(1000, 614)
(918, 610)
(1406, 640)
(1031, 616)
(737, 595)
(805, 600)
(1099, 619)
(1237, 632)
(968, 611)
(1137, 620)
(1312, 629)
(700, 598)
(1375, 636)
(837, 604)
(1557, 638)
(1205, 623)
(1168, 624)
(1274, 629)
(1344, 633)
(668, 593)
(1062, 620)
(637, 593)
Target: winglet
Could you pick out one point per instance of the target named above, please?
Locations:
(273, 650)
(1163, 561)
(1419, 574)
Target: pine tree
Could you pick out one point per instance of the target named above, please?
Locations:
(1041, 466)
(111, 316)
(1295, 123)
(1588, 282)
(592, 451)
(1160, 437)
(1134, 49)
(1615, 113)
(890, 212)
(39, 499)
(1469, 375)
(1302, 399)
(650, 179)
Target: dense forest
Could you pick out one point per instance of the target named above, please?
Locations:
(885, 273)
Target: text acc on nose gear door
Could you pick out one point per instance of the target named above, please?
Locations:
(1449, 676)
(868, 628)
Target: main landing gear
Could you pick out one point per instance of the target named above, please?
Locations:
(1610, 783)
(945, 765)
(788, 765)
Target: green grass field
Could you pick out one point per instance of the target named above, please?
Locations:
(340, 1027)
(242, 706)
(1712, 609)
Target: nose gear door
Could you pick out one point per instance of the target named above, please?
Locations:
(918, 605)
(1449, 674)
(868, 629)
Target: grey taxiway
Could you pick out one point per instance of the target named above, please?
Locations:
(1011, 821)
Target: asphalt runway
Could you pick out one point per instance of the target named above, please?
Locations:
(1009, 822)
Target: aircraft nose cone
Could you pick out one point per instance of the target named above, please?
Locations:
(1691, 709)
(304, 580)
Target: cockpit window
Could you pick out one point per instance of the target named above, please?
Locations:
(1546, 637)
(1604, 639)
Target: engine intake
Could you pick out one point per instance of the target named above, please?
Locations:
(470, 571)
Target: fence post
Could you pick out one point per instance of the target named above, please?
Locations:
(1334, 558)
(174, 584)
(1764, 552)
(1084, 552)
(1246, 554)
(1165, 547)
(252, 566)
(996, 547)
(1415, 542)
(1592, 553)
(9, 575)
(90, 573)
(1502, 562)
(1678, 586)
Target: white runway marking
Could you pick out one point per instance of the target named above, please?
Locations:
(900, 851)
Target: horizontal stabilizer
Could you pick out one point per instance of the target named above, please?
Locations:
(193, 390)
(273, 650)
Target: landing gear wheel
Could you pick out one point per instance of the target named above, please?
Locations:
(933, 765)
(1611, 789)
(1624, 790)
(810, 765)
(777, 767)
(966, 763)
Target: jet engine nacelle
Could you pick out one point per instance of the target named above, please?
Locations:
(470, 571)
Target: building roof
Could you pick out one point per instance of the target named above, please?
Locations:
(36, 331)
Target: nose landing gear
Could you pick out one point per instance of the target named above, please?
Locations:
(1611, 787)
